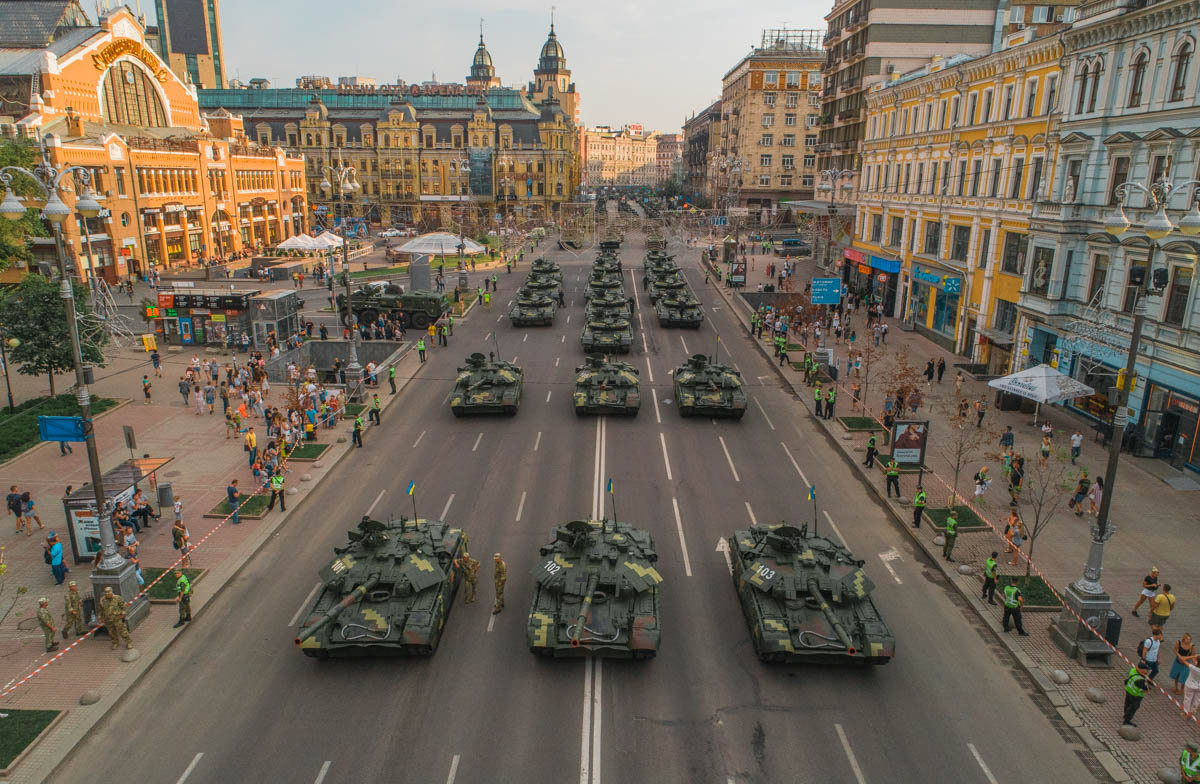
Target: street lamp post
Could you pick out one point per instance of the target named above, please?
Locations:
(829, 185)
(113, 570)
(1086, 597)
(5, 344)
(344, 183)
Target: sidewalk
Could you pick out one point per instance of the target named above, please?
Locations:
(1153, 519)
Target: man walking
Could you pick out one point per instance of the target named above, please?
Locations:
(501, 579)
(1148, 649)
(893, 478)
(373, 412)
(1013, 600)
(950, 535)
(989, 579)
(1189, 763)
(918, 505)
(184, 391)
(277, 492)
(251, 442)
(356, 434)
(73, 612)
(1135, 689)
(183, 597)
(47, 624)
(421, 348)
(870, 463)
(980, 410)
(1076, 445)
(235, 500)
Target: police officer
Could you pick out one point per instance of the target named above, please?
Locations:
(783, 355)
(450, 325)
(356, 434)
(950, 535)
(989, 579)
(183, 597)
(276, 492)
(1012, 606)
(918, 505)
(47, 624)
(73, 614)
(392, 378)
(376, 406)
(830, 399)
(112, 612)
(893, 478)
(501, 579)
(421, 348)
(871, 452)
(817, 397)
(470, 572)
(1135, 689)
(1189, 763)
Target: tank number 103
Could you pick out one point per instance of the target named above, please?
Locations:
(764, 572)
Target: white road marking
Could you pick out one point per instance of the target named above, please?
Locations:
(514, 359)
(537, 441)
(305, 603)
(889, 556)
(585, 750)
(477, 440)
(666, 460)
(556, 361)
(650, 370)
(548, 393)
(188, 771)
(724, 448)
(414, 446)
(645, 348)
(525, 338)
(685, 348)
(568, 320)
(723, 549)
(983, 765)
(858, 776)
(749, 511)
(321, 773)
(833, 525)
(795, 465)
(371, 508)
(597, 702)
(687, 562)
(454, 765)
(521, 506)
(764, 413)
(563, 339)
(446, 508)
(499, 318)
(657, 415)
(509, 303)
(491, 623)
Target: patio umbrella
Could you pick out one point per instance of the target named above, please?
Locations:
(435, 242)
(1042, 384)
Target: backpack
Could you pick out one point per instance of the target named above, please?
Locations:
(1142, 649)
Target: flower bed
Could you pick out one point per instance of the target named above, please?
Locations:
(967, 520)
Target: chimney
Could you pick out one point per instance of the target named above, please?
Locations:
(74, 124)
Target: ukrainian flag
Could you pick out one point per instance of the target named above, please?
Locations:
(812, 493)
(610, 487)
(412, 488)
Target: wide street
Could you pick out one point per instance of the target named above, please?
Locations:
(233, 700)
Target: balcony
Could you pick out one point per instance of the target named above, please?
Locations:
(849, 114)
(856, 24)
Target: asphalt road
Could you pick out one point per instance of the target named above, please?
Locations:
(234, 701)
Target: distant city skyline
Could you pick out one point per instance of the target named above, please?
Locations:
(647, 63)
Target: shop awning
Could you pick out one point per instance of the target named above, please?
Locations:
(997, 337)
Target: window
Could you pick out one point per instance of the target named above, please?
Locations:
(119, 174)
(1016, 15)
(912, 234)
(1005, 319)
(1051, 92)
(764, 180)
(1008, 101)
(933, 237)
(811, 160)
(1177, 295)
(1099, 278)
(1012, 260)
(1039, 275)
(788, 140)
(997, 170)
(987, 107)
(764, 161)
(876, 228)
(130, 97)
(962, 177)
(972, 106)
(985, 247)
(1035, 180)
(1179, 65)
(1066, 275)
(907, 175)
(793, 81)
(1041, 14)
(769, 99)
(768, 120)
(920, 183)
(785, 179)
(960, 241)
(1095, 88)
(788, 161)
(1137, 77)
(976, 172)
(933, 178)
(789, 119)
(896, 232)
(771, 79)
(810, 140)
(1018, 170)
(1081, 95)
(1159, 169)
(766, 140)
(954, 102)
(807, 180)
(792, 100)
(1031, 98)
(1120, 173)
(810, 121)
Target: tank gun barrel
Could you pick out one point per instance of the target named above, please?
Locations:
(332, 615)
(814, 590)
(584, 606)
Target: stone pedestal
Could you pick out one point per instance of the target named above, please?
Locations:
(1075, 639)
(124, 582)
(420, 276)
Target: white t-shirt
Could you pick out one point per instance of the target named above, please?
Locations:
(1076, 440)
(1193, 681)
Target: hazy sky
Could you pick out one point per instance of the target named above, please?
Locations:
(648, 61)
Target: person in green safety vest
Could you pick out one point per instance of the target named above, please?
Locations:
(183, 597)
(1135, 689)
(356, 434)
(421, 348)
(392, 378)
(950, 535)
(276, 492)
(1189, 763)
(450, 325)
(830, 399)
(893, 477)
(989, 579)
(1013, 600)
(871, 452)
(783, 355)
(778, 344)
(919, 506)
(809, 369)
(817, 398)
(376, 407)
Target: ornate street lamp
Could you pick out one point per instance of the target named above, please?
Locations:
(343, 176)
(829, 179)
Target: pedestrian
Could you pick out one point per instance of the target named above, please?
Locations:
(373, 412)
(17, 508)
(1013, 601)
(1135, 689)
(184, 389)
(930, 371)
(73, 612)
(941, 369)
(1189, 763)
(1149, 588)
(830, 400)
(1007, 439)
(210, 397)
(112, 614)
(391, 377)
(501, 578)
(1076, 445)
(950, 535)
(1081, 489)
(198, 400)
(156, 363)
(54, 557)
(47, 624)
(421, 348)
(817, 399)
(989, 578)
(980, 410)
(1179, 670)
(958, 381)
(981, 481)
(893, 478)
(234, 495)
(251, 446)
(469, 568)
(277, 491)
(441, 335)
(1191, 689)
(1045, 449)
(1095, 495)
(183, 597)
(870, 461)
(1149, 649)
(180, 541)
(145, 390)
(1160, 606)
(30, 509)
(356, 433)
(1019, 536)
(919, 501)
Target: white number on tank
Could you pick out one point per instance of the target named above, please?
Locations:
(552, 567)
(764, 572)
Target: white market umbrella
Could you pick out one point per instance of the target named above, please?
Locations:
(298, 242)
(1042, 384)
(328, 239)
(433, 243)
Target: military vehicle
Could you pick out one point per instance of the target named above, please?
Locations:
(611, 245)
(656, 241)
(666, 285)
(571, 238)
(388, 592)
(606, 387)
(606, 264)
(603, 283)
(547, 268)
(607, 333)
(660, 268)
(487, 386)
(656, 257)
(805, 598)
(610, 301)
(414, 308)
(596, 592)
(679, 310)
(532, 308)
(709, 389)
(543, 284)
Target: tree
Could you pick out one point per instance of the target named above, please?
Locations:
(1043, 489)
(34, 313)
(14, 245)
(960, 443)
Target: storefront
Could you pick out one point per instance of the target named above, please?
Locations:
(1169, 427)
(934, 302)
(192, 316)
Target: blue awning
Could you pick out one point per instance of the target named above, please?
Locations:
(885, 265)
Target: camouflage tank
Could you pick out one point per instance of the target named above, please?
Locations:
(607, 333)
(543, 284)
(708, 389)
(610, 301)
(548, 268)
(805, 598)
(596, 592)
(656, 257)
(606, 264)
(611, 245)
(679, 310)
(532, 308)
(388, 593)
(572, 237)
(673, 284)
(661, 268)
(606, 387)
(486, 387)
(603, 283)
(414, 308)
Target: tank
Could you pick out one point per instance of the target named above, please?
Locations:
(388, 592)
(673, 284)
(805, 598)
(607, 264)
(532, 308)
(679, 310)
(606, 282)
(546, 267)
(486, 387)
(607, 333)
(596, 592)
(657, 257)
(543, 284)
(571, 238)
(708, 389)
(658, 269)
(611, 244)
(414, 308)
(610, 301)
(606, 388)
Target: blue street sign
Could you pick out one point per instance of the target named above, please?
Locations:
(952, 285)
(61, 428)
(826, 291)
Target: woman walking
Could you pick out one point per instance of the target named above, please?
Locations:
(1095, 495)
(1179, 669)
(1018, 539)
(30, 511)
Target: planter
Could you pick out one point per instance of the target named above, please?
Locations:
(860, 424)
(253, 508)
(307, 453)
(1034, 589)
(968, 521)
(23, 730)
(164, 591)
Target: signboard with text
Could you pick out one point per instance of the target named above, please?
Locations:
(826, 291)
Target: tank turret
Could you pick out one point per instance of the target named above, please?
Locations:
(487, 386)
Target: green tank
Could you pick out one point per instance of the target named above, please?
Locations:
(805, 598)
(543, 284)
(609, 301)
(606, 387)
(657, 257)
(486, 386)
(656, 241)
(546, 267)
(606, 264)
(388, 592)
(571, 238)
(671, 284)
(596, 592)
(659, 269)
(603, 282)
(532, 308)
(709, 389)
(607, 333)
(679, 310)
(611, 244)
(414, 308)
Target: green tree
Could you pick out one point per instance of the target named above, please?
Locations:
(34, 313)
(14, 235)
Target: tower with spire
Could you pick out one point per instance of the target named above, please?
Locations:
(483, 73)
(552, 78)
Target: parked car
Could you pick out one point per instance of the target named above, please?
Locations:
(389, 233)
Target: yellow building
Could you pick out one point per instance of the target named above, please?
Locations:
(954, 156)
(619, 156)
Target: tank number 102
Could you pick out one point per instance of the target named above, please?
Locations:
(552, 567)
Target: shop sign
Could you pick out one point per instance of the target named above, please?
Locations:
(218, 317)
(151, 312)
(854, 255)
(170, 208)
(863, 269)
(1183, 404)
(129, 242)
(172, 313)
(166, 300)
(927, 277)
(200, 311)
(128, 46)
(885, 265)
(952, 285)
(881, 277)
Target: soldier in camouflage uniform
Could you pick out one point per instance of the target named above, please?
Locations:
(73, 616)
(112, 612)
(47, 624)
(501, 579)
(470, 572)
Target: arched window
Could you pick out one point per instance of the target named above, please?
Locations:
(1137, 77)
(1179, 71)
(1081, 98)
(130, 97)
(1095, 87)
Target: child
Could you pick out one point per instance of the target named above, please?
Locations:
(146, 389)
(179, 540)
(178, 510)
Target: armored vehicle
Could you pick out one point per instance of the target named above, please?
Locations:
(709, 389)
(486, 387)
(599, 284)
(532, 308)
(387, 593)
(543, 284)
(656, 241)
(806, 598)
(596, 592)
(607, 333)
(571, 238)
(606, 388)
(610, 301)
(656, 257)
(665, 285)
(606, 264)
(679, 310)
(547, 268)
(414, 308)
(612, 245)
(660, 268)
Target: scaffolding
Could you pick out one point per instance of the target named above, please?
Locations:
(784, 39)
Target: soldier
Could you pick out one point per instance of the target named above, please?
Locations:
(73, 616)
(918, 505)
(47, 624)
(871, 452)
(112, 612)
(989, 579)
(950, 535)
(501, 579)
(470, 572)
(183, 597)
(376, 407)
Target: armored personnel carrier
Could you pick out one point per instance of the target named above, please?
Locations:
(543, 284)
(596, 592)
(667, 285)
(603, 283)
(709, 389)
(547, 268)
(606, 388)
(414, 308)
(532, 308)
(486, 386)
(388, 592)
(679, 310)
(607, 333)
(805, 598)
(610, 301)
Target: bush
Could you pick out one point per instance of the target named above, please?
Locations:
(19, 429)
(966, 518)
(860, 423)
(1035, 590)
(254, 506)
(308, 451)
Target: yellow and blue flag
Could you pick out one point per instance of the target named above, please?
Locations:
(812, 493)
(610, 487)
(412, 488)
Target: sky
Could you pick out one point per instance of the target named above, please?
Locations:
(654, 62)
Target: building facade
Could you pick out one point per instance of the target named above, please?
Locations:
(954, 156)
(701, 135)
(189, 40)
(177, 187)
(1130, 114)
(621, 157)
(669, 158)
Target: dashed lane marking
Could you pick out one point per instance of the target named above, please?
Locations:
(521, 506)
(729, 458)
(795, 465)
(666, 460)
(371, 508)
(477, 440)
(687, 562)
(454, 765)
(537, 441)
(321, 773)
(446, 508)
(414, 446)
(192, 766)
(750, 512)
(982, 765)
(858, 775)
